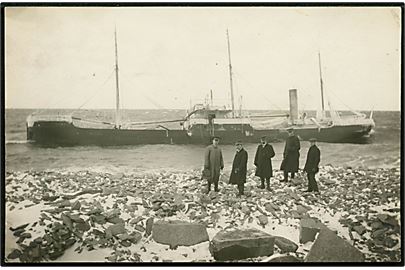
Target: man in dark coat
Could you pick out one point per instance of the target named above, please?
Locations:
(264, 169)
(239, 168)
(214, 162)
(291, 155)
(311, 165)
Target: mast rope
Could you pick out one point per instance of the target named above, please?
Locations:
(151, 100)
(253, 87)
(62, 98)
(94, 92)
(341, 101)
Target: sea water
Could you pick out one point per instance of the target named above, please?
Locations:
(382, 151)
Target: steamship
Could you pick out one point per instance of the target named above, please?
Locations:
(201, 122)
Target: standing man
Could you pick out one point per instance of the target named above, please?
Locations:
(311, 165)
(291, 155)
(213, 162)
(263, 156)
(239, 168)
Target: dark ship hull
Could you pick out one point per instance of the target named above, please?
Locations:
(60, 133)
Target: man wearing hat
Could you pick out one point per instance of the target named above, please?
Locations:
(213, 162)
(264, 168)
(239, 168)
(291, 155)
(311, 165)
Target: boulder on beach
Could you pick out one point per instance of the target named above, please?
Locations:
(238, 244)
(329, 247)
(179, 233)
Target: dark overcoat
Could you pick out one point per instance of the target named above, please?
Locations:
(313, 159)
(214, 162)
(264, 154)
(239, 168)
(291, 154)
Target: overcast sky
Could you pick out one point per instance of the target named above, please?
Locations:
(64, 57)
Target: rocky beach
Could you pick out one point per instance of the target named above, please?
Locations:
(165, 216)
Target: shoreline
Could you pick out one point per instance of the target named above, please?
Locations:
(349, 198)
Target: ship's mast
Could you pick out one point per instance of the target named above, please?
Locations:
(117, 97)
(320, 76)
(240, 107)
(230, 74)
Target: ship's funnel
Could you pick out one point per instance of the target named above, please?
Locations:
(293, 105)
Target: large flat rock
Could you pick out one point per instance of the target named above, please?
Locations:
(329, 247)
(240, 244)
(179, 233)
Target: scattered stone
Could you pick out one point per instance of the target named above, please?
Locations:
(126, 243)
(296, 181)
(379, 234)
(376, 225)
(329, 247)
(390, 243)
(136, 220)
(139, 228)
(245, 210)
(387, 219)
(15, 254)
(204, 199)
(116, 220)
(263, 220)
(64, 203)
(18, 232)
(241, 244)
(25, 235)
(70, 242)
(360, 229)
(149, 226)
(83, 227)
(328, 182)
(135, 237)
(21, 227)
(100, 219)
(115, 230)
(302, 210)
(179, 233)
(295, 214)
(76, 205)
(67, 221)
